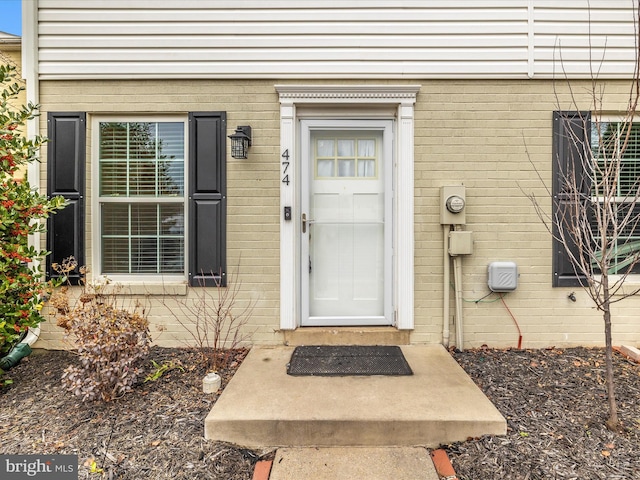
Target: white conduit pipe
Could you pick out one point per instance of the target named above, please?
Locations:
(457, 273)
(447, 281)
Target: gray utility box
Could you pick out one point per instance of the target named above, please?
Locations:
(503, 276)
(460, 242)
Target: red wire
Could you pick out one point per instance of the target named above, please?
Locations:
(514, 321)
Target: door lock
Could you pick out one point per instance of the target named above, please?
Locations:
(304, 223)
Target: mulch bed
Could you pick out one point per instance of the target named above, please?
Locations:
(156, 431)
(555, 404)
(554, 401)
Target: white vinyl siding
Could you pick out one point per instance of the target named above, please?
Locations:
(332, 39)
(571, 39)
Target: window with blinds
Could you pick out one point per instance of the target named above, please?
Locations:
(610, 141)
(141, 195)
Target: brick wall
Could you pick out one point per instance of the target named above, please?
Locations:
(473, 132)
(489, 136)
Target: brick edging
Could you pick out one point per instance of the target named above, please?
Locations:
(443, 464)
(262, 470)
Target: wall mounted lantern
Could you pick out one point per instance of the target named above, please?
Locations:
(240, 141)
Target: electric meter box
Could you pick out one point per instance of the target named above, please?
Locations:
(503, 276)
(452, 205)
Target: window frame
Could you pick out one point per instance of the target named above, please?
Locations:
(619, 199)
(336, 158)
(97, 201)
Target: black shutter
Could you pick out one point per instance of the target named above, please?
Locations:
(571, 140)
(207, 198)
(66, 177)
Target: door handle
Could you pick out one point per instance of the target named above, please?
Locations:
(306, 222)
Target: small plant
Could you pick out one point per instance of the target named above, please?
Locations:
(160, 370)
(215, 321)
(4, 382)
(111, 341)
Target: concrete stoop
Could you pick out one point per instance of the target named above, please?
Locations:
(264, 407)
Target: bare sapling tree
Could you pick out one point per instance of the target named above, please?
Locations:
(596, 203)
(215, 318)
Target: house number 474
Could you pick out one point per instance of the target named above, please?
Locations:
(285, 167)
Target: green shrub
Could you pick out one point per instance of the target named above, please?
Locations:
(22, 210)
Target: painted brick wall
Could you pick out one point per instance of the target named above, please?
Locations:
(483, 134)
(488, 136)
(253, 186)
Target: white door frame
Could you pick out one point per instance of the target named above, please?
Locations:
(385, 128)
(364, 101)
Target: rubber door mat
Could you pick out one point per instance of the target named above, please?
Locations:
(332, 360)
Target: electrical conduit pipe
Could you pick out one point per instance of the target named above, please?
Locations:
(457, 276)
(447, 280)
(457, 282)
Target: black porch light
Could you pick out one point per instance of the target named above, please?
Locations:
(240, 141)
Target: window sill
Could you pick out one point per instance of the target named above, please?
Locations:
(631, 284)
(124, 287)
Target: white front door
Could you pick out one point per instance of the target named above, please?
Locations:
(346, 222)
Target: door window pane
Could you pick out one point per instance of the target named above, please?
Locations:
(340, 157)
(346, 148)
(366, 147)
(325, 168)
(367, 168)
(347, 168)
(325, 148)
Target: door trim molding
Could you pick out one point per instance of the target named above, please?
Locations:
(403, 98)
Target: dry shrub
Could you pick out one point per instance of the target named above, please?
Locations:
(215, 319)
(111, 342)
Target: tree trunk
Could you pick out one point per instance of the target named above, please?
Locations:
(612, 423)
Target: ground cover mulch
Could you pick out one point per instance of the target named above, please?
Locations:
(154, 432)
(555, 404)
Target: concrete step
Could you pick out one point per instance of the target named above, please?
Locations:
(264, 407)
(339, 463)
(346, 336)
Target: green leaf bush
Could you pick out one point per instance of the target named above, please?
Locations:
(22, 209)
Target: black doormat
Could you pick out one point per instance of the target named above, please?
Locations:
(331, 360)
